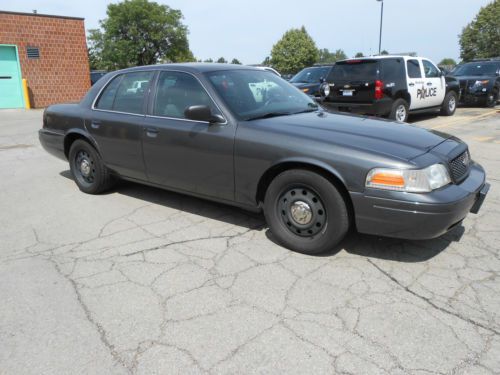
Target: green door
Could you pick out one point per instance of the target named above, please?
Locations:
(11, 94)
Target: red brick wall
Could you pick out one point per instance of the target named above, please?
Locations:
(61, 74)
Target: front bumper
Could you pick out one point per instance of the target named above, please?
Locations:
(419, 216)
(473, 97)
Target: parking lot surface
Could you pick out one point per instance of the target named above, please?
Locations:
(142, 280)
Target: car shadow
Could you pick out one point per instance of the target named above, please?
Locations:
(363, 245)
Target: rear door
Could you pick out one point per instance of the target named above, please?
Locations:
(416, 84)
(116, 122)
(353, 81)
(435, 85)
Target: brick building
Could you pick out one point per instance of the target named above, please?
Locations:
(50, 52)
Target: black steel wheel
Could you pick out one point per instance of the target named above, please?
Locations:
(88, 169)
(305, 211)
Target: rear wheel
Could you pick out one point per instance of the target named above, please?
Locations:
(492, 98)
(399, 111)
(88, 169)
(305, 212)
(449, 104)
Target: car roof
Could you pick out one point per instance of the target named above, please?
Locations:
(191, 67)
(385, 57)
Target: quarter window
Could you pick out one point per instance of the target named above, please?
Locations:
(413, 69)
(177, 91)
(430, 70)
(125, 93)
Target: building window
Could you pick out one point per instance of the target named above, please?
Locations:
(33, 52)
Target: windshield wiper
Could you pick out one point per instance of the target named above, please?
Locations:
(268, 115)
(306, 111)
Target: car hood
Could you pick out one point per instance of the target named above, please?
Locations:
(474, 78)
(302, 85)
(401, 141)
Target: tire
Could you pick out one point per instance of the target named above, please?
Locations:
(397, 113)
(87, 168)
(449, 104)
(312, 231)
(492, 98)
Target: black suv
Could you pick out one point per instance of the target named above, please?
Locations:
(312, 80)
(392, 86)
(479, 81)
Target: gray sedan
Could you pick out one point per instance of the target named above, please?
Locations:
(245, 137)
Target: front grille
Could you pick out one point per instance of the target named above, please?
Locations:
(459, 166)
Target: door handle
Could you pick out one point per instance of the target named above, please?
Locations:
(95, 124)
(151, 132)
(411, 84)
(429, 83)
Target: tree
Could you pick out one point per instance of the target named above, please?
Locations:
(448, 61)
(236, 61)
(359, 54)
(222, 60)
(327, 57)
(384, 52)
(481, 37)
(267, 61)
(294, 51)
(138, 32)
(209, 61)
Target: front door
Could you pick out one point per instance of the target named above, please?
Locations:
(116, 122)
(11, 94)
(435, 84)
(187, 155)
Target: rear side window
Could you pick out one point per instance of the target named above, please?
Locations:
(413, 69)
(393, 70)
(356, 70)
(430, 69)
(126, 93)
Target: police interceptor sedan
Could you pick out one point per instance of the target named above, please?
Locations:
(391, 86)
(245, 137)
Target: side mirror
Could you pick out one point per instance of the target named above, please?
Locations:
(202, 113)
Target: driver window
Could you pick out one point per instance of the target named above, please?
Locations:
(176, 91)
(430, 70)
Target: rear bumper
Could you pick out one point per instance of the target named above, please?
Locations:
(401, 215)
(378, 108)
(52, 142)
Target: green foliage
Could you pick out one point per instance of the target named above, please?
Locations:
(448, 61)
(481, 37)
(208, 61)
(359, 54)
(294, 51)
(267, 61)
(384, 52)
(222, 60)
(236, 61)
(138, 32)
(326, 57)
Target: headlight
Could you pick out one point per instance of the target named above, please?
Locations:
(409, 180)
(325, 90)
(481, 83)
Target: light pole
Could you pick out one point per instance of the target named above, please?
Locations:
(381, 19)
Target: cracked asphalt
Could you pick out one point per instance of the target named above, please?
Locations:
(145, 281)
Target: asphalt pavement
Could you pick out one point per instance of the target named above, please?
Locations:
(145, 281)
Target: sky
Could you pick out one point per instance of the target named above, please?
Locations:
(247, 29)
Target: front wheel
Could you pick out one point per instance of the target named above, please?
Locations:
(399, 111)
(492, 98)
(305, 212)
(449, 104)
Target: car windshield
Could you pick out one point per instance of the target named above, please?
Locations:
(310, 75)
(253, 94)
(476, 69)
(359, 70)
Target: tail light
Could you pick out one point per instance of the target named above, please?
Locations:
(379, 94)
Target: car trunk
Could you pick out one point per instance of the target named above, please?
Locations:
(354, 81)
